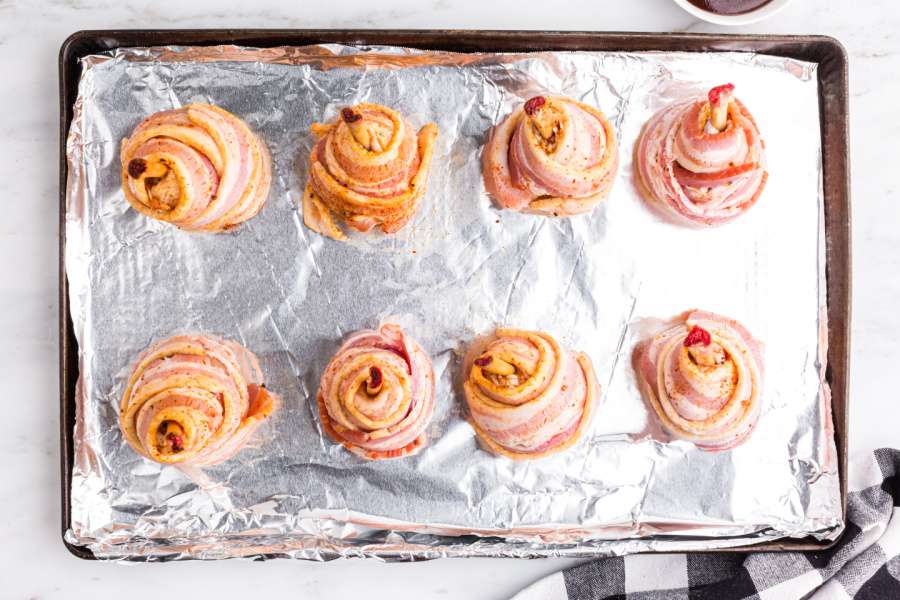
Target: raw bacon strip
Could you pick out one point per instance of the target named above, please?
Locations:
(376, 396)
(551, 156)
(528, 397)
(198, 167)
(703, 377)
(702, 162)
(369, 168)
(193, 399)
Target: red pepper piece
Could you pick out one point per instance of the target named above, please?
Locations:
(716, 92)
(697, 335)
(483, 361)
(534, 104)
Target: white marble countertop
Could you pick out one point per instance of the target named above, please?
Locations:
(33, 561)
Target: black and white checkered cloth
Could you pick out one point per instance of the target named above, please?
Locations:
(864, 565)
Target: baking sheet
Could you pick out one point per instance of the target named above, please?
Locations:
(290, 296)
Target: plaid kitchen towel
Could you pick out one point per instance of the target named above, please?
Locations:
(864, 565)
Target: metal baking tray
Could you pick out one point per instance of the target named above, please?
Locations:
(833, 103)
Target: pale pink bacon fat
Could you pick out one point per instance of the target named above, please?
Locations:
(193, 399)
(551, 156)
(694, 173)
(703, 377)
(376, 396)
(198, 167)
(527, 397)
(369, 168)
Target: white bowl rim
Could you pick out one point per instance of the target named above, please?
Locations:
(763, 12)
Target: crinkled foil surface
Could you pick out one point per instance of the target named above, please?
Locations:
(459, 269)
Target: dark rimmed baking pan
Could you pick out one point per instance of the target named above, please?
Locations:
(833, 110)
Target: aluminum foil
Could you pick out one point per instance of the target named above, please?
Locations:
(459, 269)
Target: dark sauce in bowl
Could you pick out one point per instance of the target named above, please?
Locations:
(729, 7)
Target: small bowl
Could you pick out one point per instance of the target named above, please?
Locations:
(758, 14)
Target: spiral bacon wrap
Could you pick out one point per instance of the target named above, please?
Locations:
(368, 168)
(699, 172)
(527, 396)
(198, 167)
(376, 396)
(551, 156)
(703, 377)
(193, 399)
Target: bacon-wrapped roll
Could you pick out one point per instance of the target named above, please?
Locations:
(527, 396)
(193, 399)
(376, 396)
(703, 377)
(702, 162)
(551, 156)
(368, 168)
(197, 167)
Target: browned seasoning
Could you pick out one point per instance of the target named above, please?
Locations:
(350, 116)
(136, 167)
